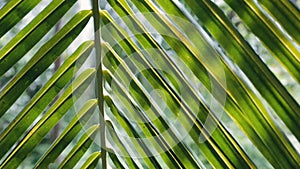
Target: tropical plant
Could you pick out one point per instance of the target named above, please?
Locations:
(176, 84)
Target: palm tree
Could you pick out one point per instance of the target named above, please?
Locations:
(174, 84)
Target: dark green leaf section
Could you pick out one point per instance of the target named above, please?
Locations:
(286, 14)
(80, 148)
(277, 43)
(27, 38)
(44, 97)
(13, 12)
(115, 159)
(68, 134)
(244, 56)
(42, 60)
(253, 109)
(259, 117)
(49, 120)
(92, 161)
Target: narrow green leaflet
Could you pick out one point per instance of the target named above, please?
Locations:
(169, 91)
(92, 161)
(147, 129)
(80, 148)
(13, 12)
(274, 39)
(259, 114)
(68, 134)
(42, 60)
(259, 118)
(27, 38)
(145, 102)
(244, 56)
(161, 124)
(115, 159)
(291, 155)
(44, 97)
(286, 14)
(140, 146)
(154, 132)
(49, 120)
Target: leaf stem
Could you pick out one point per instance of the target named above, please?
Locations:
(99, 79)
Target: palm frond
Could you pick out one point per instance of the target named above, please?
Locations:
(175, 84)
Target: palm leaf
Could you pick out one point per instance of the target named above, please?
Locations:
(37, 118)
(13, 12)
(92, 161)
(32, 33)
(42, 99)
(288, 17)
(169, 80)
(272, 36)
(80, 148)
(68, 134)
